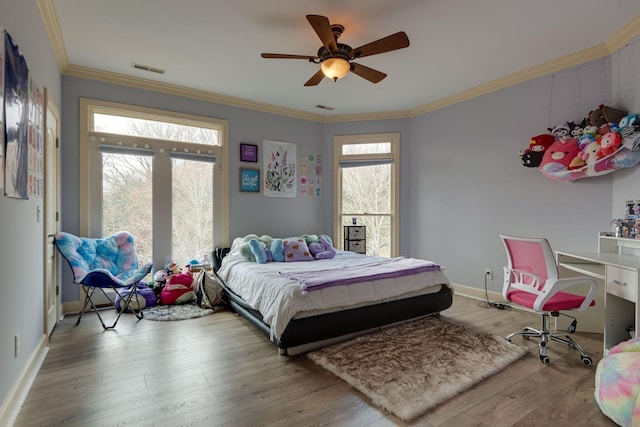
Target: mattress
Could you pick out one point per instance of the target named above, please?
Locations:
(280, 300)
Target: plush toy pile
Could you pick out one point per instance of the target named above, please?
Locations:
(308, 247)
(606, 140)
(175, 286)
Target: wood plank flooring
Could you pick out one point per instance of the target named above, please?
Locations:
(219, 370)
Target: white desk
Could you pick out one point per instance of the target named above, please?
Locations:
(616, 265)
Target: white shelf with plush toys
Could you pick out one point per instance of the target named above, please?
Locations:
(606, 140)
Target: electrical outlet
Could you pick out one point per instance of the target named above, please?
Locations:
(488, 273)
(16, 344)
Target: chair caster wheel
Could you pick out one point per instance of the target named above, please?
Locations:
(586, 361)
(545, 359)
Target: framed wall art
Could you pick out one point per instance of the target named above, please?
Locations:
(279, 163)
(248, 153)
(250, 180)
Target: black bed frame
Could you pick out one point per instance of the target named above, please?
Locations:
(312, 332)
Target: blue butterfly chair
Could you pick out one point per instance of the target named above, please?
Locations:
(103, 264)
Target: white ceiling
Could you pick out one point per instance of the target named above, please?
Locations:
(215, 46)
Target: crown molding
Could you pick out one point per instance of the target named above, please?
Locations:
(622, 37)
(51, 24)
(549, 67)
(173, 89)
(387, 115)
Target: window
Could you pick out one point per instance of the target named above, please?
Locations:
(160, 175)
(366, 184)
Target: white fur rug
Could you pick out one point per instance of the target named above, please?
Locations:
(175, 312)
(411, 368)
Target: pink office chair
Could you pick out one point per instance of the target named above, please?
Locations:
(531, 280)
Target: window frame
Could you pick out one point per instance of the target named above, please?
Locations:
(393, 158)
(91, 166)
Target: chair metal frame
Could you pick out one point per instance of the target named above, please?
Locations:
(98, 278)
(543, 283)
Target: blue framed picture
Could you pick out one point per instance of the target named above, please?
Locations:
(250, 180)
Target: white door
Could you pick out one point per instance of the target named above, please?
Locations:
(51, 277)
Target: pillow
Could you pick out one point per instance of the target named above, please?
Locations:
(296, 249)
(277, 250)
(258, 251)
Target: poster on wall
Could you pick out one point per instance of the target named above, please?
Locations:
(35, 180)
(16, 121)
(279, 165)
(310, 172)
(2, 133)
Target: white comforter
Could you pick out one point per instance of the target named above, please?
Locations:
(279, 299)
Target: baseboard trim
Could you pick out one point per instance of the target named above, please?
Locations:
(479, 294)
(18, 394)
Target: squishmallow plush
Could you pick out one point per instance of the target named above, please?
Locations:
(145, 298)
(559, 155)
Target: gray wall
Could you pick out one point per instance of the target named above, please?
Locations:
(21, 236)
(626, 93)
(467, 183)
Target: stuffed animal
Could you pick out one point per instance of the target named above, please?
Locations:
(590, 130)
(322, 249)
(532, 156)
(612, 115)
(631, 136)
(626, 121)
(578, 130)
(179, 289)
(605, 114)
(172, 267)
(260, 251)
(145, 297)
(629, 128)
(559, 156)
(277, 250)
(531, 159)
(609, 143)
(159, 279)
(585, 140)
(588, 154)
(245, 248)
(561, 131)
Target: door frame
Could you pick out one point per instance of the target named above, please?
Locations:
(51, 215)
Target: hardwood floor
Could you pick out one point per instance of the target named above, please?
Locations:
(219, 370)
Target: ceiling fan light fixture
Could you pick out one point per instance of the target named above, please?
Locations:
(335, 68)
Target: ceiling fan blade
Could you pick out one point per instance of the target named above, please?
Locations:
(393, 42)
(286, 56)
(317, 78)
(322, 27)
(374, 76)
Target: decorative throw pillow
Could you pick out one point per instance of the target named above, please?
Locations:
(296, 249)
(277, 250)
(258, 251)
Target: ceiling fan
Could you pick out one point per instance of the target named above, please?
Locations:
(335, 58)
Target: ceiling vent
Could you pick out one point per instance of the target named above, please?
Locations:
(147, 68)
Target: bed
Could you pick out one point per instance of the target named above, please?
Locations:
(301, 306)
